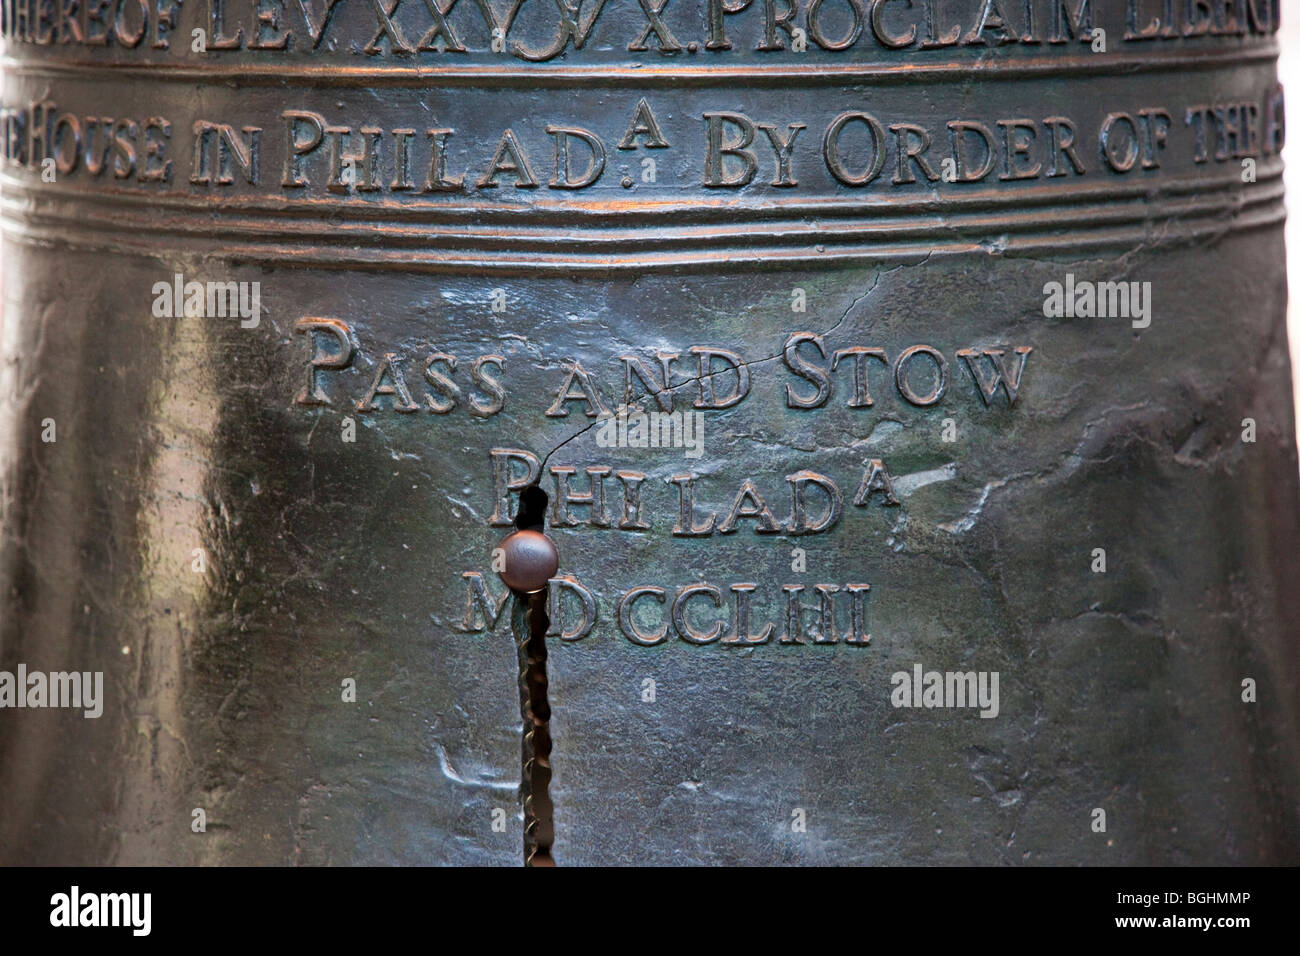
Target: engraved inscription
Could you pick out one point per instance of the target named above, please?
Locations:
(306, 153)
(714, 28)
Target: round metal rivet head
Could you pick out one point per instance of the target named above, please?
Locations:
(530, 560)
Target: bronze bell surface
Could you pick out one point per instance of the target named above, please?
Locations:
(896, 394)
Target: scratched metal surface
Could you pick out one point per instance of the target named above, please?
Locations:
(329, 560)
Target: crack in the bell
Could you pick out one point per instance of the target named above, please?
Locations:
(531, 622)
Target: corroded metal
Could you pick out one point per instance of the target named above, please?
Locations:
(850, 343)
